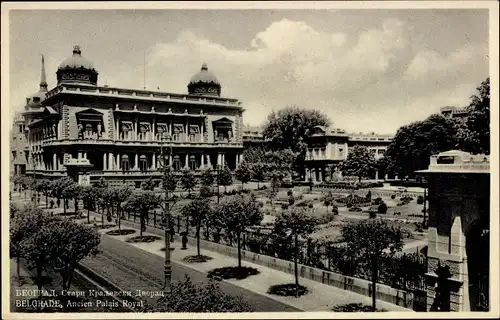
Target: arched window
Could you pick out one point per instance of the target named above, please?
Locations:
(88, 128)
(125, 163)
(143, 132)
(177, 163)
(143, 163)
(192, 162)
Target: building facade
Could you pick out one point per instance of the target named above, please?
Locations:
(122, 134)
(328, 147)
(18, 147)
(453, 112)
(458, 239)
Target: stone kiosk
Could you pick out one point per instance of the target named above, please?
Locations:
(458, 250)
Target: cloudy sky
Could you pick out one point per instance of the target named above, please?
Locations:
(368, 70)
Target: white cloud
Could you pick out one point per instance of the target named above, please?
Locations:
(288, 63)
(375, 80)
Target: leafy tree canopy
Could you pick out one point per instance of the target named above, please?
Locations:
(359, 163)
(191, 297)
(286, 128)
(411, 148)
(473, 132)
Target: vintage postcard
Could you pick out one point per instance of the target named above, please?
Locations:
(250, 160)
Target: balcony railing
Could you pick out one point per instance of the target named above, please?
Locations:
(144, 95)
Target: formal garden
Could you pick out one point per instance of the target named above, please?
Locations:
(299, 225)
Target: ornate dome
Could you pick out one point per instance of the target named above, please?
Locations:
(76, 69)
(204, 83)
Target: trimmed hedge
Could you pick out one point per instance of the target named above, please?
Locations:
(196, 259)
(146, 239)
(238, 273)
(122, 232)
(288, 290)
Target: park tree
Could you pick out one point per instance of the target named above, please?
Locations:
(24, 222)
(188, 180)
(296, 223)
(45, 186)
(216, 222)
(413, 145)
(384, 166)
(203, 297)
(169, 179)
(224, 177)
(205, 192)
(258, 172)
(119, 196)
(285, 127)
(207, 177)
(290, 127)
(359, 163)
(70, 243)
(243, 173)
(369, 239)
(148, 185)
(90, 196)
(142, 203)
(35, 245)
(240, 212)
(473, 131)
(197, 213)
(69, 191)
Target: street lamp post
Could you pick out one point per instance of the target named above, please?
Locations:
(166, 212)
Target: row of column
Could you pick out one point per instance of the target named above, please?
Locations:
(112, 162)
(39, 163)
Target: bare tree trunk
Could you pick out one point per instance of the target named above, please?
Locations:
(18, 267)
(239, 249)
(296, 266)
(198, 240)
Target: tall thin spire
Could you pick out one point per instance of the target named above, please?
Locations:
(43, 79)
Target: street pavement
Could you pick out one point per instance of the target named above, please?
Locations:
(151, 265)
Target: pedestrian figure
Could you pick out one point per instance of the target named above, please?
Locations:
(184, 240)
(58, 202)
(172, 233)
(51, 204)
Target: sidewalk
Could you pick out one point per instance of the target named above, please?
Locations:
(320, 298)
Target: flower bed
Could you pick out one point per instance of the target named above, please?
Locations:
(232, 273)
(122, 232)
(196, 259)
(146, 239)
(288, 290)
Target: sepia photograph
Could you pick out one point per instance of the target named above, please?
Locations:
(293, 160)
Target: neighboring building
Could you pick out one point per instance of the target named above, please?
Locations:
(96, 131)
(252, 136)
(18, 147)
(454, 112)
(327, 148)
(459, 219)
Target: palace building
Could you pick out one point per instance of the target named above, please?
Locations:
(94, 132)
(328, 147)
